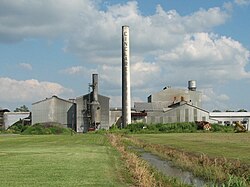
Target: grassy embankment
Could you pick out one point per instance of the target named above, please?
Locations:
(60, 160)
(223, 157)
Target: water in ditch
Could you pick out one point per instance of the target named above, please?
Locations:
(167, 168)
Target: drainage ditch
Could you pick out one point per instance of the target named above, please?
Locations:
(168, 169)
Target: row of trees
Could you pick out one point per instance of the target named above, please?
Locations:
(22, 109)
(241, 110)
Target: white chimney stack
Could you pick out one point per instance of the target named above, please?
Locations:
(126, 95)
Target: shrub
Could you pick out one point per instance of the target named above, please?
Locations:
(136, 127)
(221, 128)
(185, 127)
(46, 129)
(17, 128)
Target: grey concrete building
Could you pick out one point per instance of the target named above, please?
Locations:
(54, 110)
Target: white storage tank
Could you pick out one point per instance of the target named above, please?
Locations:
(192, 85)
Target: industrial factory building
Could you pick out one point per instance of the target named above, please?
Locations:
(83, 112)
(87, 112)
(54, 110)
(229, 118)
(92, 109)
(172, 105)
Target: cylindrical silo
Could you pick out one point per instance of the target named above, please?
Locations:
(126, 96)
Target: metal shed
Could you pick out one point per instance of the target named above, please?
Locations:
(54, 110)
(12, 117)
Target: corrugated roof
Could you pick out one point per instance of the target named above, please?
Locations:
(54, 96)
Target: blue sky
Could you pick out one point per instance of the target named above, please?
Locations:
(52, 47)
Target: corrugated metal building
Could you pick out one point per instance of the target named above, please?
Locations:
(83, 112)
(229, 118)
(174, 105)
(181, 113)
(12, 117)
(54, 110)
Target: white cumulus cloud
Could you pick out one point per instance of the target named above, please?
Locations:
(29, 90)
(166, 47)
(213, 100)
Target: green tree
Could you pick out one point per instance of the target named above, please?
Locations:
(216, 110)
(22, 109)
(229, 110)
(242, 110)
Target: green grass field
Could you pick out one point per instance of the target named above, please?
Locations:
(229, 145)
(59, 160)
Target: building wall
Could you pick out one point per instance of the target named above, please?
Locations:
(83, 112)
(226, 118)
(81, 108)
(183, 113)
(1, 119)
(156, 106)
(12, 117)
(54, 110)
(2, 111)
(171, 96)
(104, 102)
(115, 116)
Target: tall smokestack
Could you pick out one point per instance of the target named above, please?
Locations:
(126, 97)
(95, 108)
(95, 86)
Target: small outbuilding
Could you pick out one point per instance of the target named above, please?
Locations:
(10, 118)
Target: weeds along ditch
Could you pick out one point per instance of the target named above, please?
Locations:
(143, 174)
(218, 170)
(216, 166)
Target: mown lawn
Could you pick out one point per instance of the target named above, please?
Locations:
(229, 145)
(59, 160)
